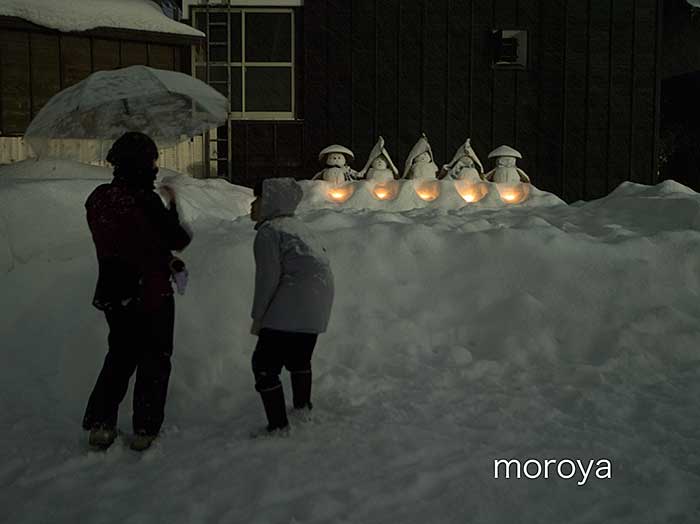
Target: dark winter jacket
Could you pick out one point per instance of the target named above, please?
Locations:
(134, 234)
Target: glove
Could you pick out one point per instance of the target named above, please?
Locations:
(179, 274)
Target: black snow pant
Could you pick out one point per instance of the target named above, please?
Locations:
(278, 349)
(142, 342)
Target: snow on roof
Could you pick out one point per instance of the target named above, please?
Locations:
(83, 15)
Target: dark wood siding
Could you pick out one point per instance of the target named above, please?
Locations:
(45, 69)
(583, 113)
(15, 82)
(36, 63)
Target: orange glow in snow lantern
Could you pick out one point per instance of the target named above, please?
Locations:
(385, 190)
(513, 193)
(471, 191)
(427, 190)
(340, 193)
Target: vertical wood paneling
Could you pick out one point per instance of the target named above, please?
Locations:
(527, 83)
(549, 159)
(504, 81)
(575, 99)
(644, 107)
(134, 53)
(387, 80)
(598, 109)
(339, 46)
(458, 75)
(105, 54)
(76, 59)
(434, 69)
(161, 57)
(409, 78)
(482, 77)
(621, 91)
(364, 77)
(315, 84)
(46, 71)
(15, 100)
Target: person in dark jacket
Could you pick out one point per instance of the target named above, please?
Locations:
(293, 297)
(134, 234)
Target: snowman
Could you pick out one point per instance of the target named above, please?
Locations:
(379, 167)
(335, 158)
(506, 171)
(465, 165)
(420, 164)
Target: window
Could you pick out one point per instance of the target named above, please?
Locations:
(249, 58)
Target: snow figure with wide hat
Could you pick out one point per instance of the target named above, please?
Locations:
(506, 171)
(335, 159)
(420, 163)
(465, 165)
(379, 167)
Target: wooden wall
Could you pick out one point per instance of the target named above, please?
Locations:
(35, 65)
(584, 113)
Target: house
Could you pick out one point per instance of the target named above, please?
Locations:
(574, 85)
(48, 45)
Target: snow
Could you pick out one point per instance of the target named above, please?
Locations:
(459, 336)
(72, 15)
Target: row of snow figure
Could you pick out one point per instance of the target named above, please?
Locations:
(420, 164)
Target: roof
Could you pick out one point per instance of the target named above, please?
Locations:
(83, 15)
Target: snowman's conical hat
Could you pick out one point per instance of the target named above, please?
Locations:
(422, 146)
(465, 150)
(377, 151)
(335, 148)
(505, 151)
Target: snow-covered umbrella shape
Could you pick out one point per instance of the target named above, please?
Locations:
(166, 105)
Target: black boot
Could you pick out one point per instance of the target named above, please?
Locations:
(301, 389)
(275, 409)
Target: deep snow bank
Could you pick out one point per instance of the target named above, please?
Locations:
(458, 336)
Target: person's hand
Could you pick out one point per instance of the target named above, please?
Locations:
(255, 328)
(168, 193)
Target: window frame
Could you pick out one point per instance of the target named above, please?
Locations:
(209, 9)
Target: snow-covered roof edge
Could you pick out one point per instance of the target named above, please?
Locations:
(70, 16)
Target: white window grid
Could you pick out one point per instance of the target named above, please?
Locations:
(209, 9)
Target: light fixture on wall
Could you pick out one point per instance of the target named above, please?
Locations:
(509, 48)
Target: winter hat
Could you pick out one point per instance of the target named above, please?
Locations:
(133, 149)
(377, 151)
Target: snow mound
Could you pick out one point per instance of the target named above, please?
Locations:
(458, 336)
(69, 15)
(42, 210)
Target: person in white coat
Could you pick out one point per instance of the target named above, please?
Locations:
(294, 290)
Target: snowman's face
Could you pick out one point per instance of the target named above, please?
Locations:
(379, 163)
(467, 161)
(335, 159)
(422, 158)
(505, 161)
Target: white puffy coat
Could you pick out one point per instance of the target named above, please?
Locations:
(293, 280)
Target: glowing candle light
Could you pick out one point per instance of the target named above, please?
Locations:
(471, 191)
(340, 194)
(428, 190)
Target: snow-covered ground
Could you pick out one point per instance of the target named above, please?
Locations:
(458, 336)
